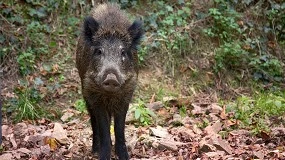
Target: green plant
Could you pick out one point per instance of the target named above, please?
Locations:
(224, 25)
(242, 46)
(230, 56)
(143, 115)
(266, 68)
(169, 28)
(255, 112)
(183, 111)
(80, 106)
(142, 54)
(26, 106)
(36, 33)
(276, 16)
(26, 61)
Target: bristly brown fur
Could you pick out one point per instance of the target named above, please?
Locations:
(112, 21)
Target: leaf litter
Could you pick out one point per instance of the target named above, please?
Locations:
(203, 134)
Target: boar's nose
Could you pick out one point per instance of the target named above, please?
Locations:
(111, 83)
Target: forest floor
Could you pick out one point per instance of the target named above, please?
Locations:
(181, 116)
(204, 130)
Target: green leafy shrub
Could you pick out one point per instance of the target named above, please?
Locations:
(26, 61)
(224, 25)
(255, 112)
(276, 16)
(230, 56)
(80, 105)
(267, 68)
(143, 114)
(245, 45)
(169, 30)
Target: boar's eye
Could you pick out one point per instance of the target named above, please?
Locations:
(98, 51)
(124, 55)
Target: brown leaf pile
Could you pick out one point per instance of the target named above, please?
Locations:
(207, 134)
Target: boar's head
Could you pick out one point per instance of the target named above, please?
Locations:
(111, 42)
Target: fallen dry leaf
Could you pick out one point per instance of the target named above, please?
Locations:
(222, 145)
(223, 114)
(214, 129)
(53, 144)
(24, 150)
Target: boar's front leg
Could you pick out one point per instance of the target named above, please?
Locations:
(103, 123)
(120, 146)
(95, 138)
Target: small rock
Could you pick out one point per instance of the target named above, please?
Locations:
(222, 145)
(59, 134)
(214, 129)
(258, 154)
(207, 148)
(155, 105)
(159, 132)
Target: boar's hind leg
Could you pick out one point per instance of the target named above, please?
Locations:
(120, 146)
(103, 122)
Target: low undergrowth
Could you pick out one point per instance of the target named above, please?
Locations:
(260, 112)
(196, 41)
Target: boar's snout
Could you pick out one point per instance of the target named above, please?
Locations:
(111, 83)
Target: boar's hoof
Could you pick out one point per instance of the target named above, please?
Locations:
(122, 152)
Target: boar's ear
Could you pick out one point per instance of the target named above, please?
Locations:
(136, 32)
(90, 27)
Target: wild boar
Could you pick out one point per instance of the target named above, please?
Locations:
(107, 62)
